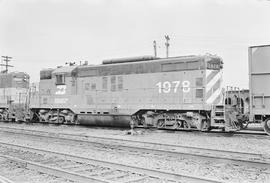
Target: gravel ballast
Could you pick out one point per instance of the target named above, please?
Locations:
(227, 172)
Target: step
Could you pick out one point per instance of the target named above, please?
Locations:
(219, 117)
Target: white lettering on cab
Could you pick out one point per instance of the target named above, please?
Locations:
(167, 86)
(60, 90)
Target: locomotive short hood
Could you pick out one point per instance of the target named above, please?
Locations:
(66, 70)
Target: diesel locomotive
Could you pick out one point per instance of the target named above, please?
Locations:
(14, 96)
(177, 92)
(173, 93)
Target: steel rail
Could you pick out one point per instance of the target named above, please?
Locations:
(136, 169)
(55, 171)
(259, 132)
(126, 140)
(5, 180)
(256, 159)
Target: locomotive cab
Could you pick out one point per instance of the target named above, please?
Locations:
(54, 98)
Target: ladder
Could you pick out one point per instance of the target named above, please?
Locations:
(218, 115)
(218, 112)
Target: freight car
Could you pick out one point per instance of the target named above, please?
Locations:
(259, 79)
(179, 92)
(14, 100)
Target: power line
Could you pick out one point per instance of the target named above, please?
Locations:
(6, 59)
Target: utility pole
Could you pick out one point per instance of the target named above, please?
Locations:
(6, 59)
(167, 44)
(155, 48)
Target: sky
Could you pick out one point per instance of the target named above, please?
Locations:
(42, 34)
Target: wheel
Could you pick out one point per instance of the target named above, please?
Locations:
(160, 123)
(266, 126)
(61, 119)
(143, 122)
(176, 125)
(186, 125)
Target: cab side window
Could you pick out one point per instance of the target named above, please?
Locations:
(60, 79)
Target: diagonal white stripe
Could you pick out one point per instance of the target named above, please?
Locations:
(211, 83)
(208, 72)
(214, 96)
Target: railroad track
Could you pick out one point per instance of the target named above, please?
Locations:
(4, 180)
(254, 132)
(134, 146)
(85, 169)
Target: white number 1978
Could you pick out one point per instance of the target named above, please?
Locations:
(167, 86)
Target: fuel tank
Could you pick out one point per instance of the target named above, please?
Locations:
(105, 120)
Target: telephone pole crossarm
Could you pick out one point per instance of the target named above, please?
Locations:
(6, 59)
